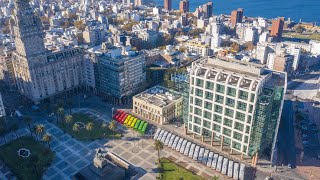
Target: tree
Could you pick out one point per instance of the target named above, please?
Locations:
(33, 160)
(299, 29)
(158, 145)
(215, 177)
(14, 128)
(60, 113)
(39, 129)
(79, 25)
(68, 119)
(90, 126)
(113, 127)
(47, 138)
(76, 127)
(28, 120)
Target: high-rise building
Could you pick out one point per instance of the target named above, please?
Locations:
(41, 74)
(236, 16)
(184, 6)
(277, 28)
(237, 103)
(168, 4)
(207, 10)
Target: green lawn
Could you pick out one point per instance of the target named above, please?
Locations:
(98, 132)
(314, 36)
(172, 171)
(22, 167)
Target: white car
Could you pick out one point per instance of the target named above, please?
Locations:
(210, 157)
(179, 144)
(183, 146)
(215, 161)
(200, 157)
(175, 142)
(160, 134)
(186, 150)
(191, 151)
(196, 152)
(163, 138)
(205, 157)
(166, 142)
(155, 137)
(171, 140)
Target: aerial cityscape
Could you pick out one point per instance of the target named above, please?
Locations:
(159, 89)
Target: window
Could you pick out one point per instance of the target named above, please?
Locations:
(231, 92)
(237, 136)
(191, 91)
(227, 122)
(218, 109)
(244, 149)
(243, 95)
(246, 139)
(228, 112)
(192, 80)
(207, 115)
(217, 118)
(209, 85)
(199, 83)
(220, 88)
(250, 108)
(196, 129)
(236, 145)
(198, 102)
(247, 129)
(191, 100)
(207, 124)
(197, 111)
(208, 105)
(252, 98)
(227, 132)
(216, 127)
(191, 109)
(242, 106)
(249, 119)
(226, 141)
(230, 102)
(219, 99)
(199, 92)
(240, 116)
(238, 126)
(197, 120)
(209, 95)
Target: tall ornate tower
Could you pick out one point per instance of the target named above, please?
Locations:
(27, 29)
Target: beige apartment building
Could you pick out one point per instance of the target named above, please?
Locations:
(158, 104)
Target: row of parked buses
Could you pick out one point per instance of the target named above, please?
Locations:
(213, 160)
(130, 121)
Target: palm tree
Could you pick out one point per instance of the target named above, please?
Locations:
(68, 119)
(158, 145)
(33, 160)
(113, 127)
(76, 127)
(60, 113)
(89, 127)
(28, 120)
(14, 128)
(39, 129)
(47, 138)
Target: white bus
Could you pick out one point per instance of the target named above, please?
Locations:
(166, 142)
(236, 171)
(200, 157)
(163, 138)
(230, 169)
(156, 134)
(205, 157)
(214, 161)
(196, 152)
(179, 144)
(183, 146)
(186, 150)
(175, 142)
(242, 171)
(219, 163)
(191, 151)
(160, 134)
(210, 157)
(225, 165)
(171, 140)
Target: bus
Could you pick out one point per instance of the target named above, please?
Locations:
(230, 169)
(144, 128)
(141, 126)
(127, 119)
(224, 166)
(236, 171)
(137, 125)
(130, 121)
(242, 171)
(133, 122)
